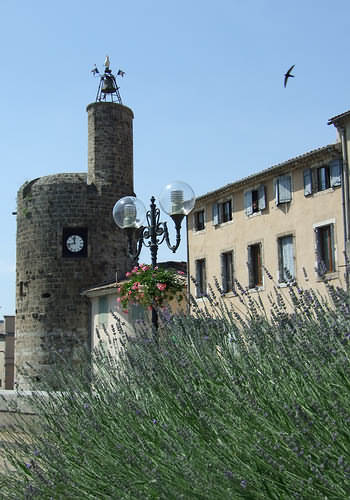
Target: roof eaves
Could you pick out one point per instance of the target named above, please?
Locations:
(268, 171)
(338, 118)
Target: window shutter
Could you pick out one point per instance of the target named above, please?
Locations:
(276, 182)
(223, 273)
(262, 197)
(204, 283)
(103, 310)
(335, 168)
(198, 278)
(248, 202)
(136, 312)
(287, 257)
(319, 267)
(284, 186)
(231, 283)
(250, 269)
(307, 182)
(215, 214)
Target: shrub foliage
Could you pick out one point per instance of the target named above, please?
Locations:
(231, 403)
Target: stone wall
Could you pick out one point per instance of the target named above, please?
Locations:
(51, 315)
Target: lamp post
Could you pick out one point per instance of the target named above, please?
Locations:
(177, 200)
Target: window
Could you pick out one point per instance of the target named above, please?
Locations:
(201, 279)
(283, 189)
(325, 249)
(227, 271)
(286, 258)
(255, 265)
(222, 212)
(103, 310)
(255, 200)
(322, 178)
(199, 220)
(226, 211)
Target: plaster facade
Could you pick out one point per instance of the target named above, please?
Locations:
(253, 236)
(109, 322)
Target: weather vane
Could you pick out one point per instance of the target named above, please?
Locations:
(108, 83)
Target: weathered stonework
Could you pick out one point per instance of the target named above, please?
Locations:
(50, 312)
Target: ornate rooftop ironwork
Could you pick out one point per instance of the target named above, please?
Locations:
(108, 86)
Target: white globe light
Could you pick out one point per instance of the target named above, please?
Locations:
(177, 198)
(129, 212)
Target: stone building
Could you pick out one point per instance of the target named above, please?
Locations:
(7, 337)
(67, 241)
(288, 222)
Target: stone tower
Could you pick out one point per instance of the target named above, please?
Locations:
(67, 241)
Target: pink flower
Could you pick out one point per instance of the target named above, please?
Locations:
(161, 286)
(180, 272)
(118, 289)
(136, 285)
(130, 292)
(118, 299)
(128, 274)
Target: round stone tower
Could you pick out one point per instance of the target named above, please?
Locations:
(67, 241)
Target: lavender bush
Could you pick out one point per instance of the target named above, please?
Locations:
(230, 403)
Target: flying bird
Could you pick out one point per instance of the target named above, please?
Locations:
(120, 73)
(288, 75)
(95, 71)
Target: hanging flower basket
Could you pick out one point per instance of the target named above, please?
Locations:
(151, 287)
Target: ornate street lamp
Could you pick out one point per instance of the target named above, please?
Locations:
(177, 200)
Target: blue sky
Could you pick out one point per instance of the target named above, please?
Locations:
(204, 79)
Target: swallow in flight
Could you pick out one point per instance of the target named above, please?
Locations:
(288, 75)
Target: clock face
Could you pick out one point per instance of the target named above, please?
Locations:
(74, 243)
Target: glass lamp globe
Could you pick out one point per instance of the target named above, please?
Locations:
(129, 212)
(177, 198)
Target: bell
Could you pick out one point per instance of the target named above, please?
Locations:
(108, 85)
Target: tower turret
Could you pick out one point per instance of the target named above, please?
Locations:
(67, 241)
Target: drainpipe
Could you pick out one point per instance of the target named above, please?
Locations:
(345, 197)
